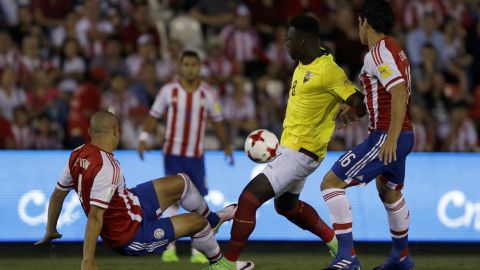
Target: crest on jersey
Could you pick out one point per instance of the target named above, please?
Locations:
(384, 71)
(159, 233)
(307, 77)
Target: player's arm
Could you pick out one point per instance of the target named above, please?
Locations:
(92, 231)
(150, 123)
(54, 208)
(221, 133)
(351, 110)
(399, 100)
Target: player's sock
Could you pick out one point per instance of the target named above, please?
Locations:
(341, 216)
(399, 220)
(193, 201)
(206, 243)
(243, 224)
(304, 216)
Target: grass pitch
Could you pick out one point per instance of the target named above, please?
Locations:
(265, 257)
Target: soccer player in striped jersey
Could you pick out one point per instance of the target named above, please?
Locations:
(129, 220)
(319, 85)
(386, 78)
(188, 102)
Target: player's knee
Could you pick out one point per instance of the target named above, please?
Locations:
(330, 180)
(248, 200)
(285, 209)
(197, 221)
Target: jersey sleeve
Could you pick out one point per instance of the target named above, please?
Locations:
(386, 69)
(214, 107)
(336, 82)
(104, 185)
(65, 183)
(160, 104)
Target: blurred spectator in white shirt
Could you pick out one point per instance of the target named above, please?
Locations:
(11, 96)
(48, 135)
(463, 136)
(118, 99)
(145, 52)
(22, 131)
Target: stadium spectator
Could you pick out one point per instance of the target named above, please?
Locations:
(424, 139)
(239, 112)
(132, 127)
(139, 25)
(217, 67)
(267, 15)
(424, 72)
(146, 87)
(64, 31)
(11, 96)
(51, 12)
(280, 62)
(463, 136)
(426, 33)
(167, 68)
(91, 29)
(22, 131)
(214, 14)
(48, 135)
(24, 25)
(9, 12)
(7, 141)
(71, 63)
(111, 60)
(145, 52)
(416, 11)
(31, 60)
(118, 99)
(84, 103)
(8, 55)
(42, 94)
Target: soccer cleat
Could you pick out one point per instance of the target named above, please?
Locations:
(198, 258)
(344, 264)
(393, 264)
(170, 255)
(333, 247)
(226, 214)
(224, 264)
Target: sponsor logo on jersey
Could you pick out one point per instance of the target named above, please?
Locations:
(159, 233)
(307, 77)
(384, 71)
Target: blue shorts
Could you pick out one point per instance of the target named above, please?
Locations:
(154, 233)
(193, 167)
(361, 165)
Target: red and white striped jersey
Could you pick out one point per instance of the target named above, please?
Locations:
(98, 180)
(186, 117)
(385, 66)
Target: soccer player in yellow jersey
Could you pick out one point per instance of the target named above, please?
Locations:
(319, 85)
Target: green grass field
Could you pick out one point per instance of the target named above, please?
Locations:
(298, 258)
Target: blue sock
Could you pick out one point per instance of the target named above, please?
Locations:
(400, 247)
(213, 219)
(345, 245)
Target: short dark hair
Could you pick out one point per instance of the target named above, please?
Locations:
(379, 15)
(189, 53)
(306, 24)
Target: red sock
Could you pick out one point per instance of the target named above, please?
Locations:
(305, 217)
(243, 225)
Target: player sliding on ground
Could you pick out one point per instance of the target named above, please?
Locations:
(318, 86)
(386, 78)
(128, 220)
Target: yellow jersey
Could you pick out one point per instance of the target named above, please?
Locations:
(316, 91)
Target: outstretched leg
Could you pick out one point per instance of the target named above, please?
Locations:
(304, 216)
(257, 192)
(179, 188)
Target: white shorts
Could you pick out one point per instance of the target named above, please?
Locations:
(289, 170)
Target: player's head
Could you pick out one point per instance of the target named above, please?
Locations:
(376, 15)
(104, 130)
(303, 31)
(190, 65)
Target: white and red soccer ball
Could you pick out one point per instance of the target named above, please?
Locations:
(261, 146)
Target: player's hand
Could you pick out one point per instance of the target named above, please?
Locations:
(142, 146)
(229, 156)
(388, 151)
(49, 236)
(344, 115)
(88, 265)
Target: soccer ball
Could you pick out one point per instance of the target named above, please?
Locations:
(261, 146)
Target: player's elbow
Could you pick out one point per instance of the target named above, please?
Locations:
(360, 110)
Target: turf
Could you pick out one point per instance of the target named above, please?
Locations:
(296, 259)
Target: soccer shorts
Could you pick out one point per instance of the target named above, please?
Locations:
(361, 165)
(289, 170)
(193, 167)
(154, 233)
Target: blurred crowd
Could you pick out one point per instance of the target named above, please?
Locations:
(62, 60)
